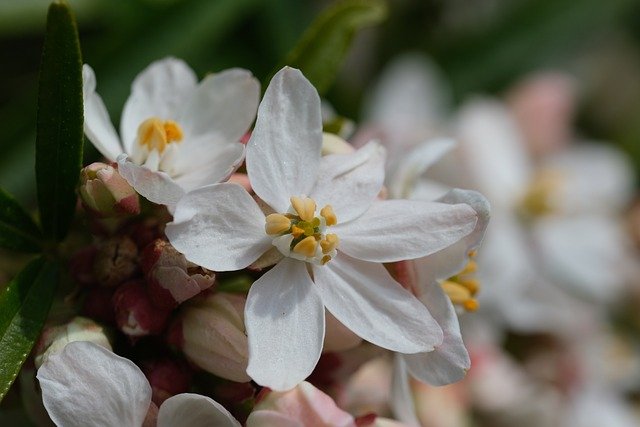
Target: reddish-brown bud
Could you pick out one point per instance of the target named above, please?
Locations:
(136, 316)
(116, 260)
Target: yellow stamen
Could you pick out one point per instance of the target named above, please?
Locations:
(329, 243)
(471, 267)
(471, 304)
(156, 133)
(328, 215)
(306, 208)
(277, 223)
(306, 246)
(297, 231)
(473, 285)
(325, 259)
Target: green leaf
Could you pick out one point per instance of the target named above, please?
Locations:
(18, 232)
(59, 128)
(323, 46)
(24, 305)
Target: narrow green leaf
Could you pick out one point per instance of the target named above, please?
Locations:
(324, 45)
(18, 232)
(24, 305)
(59, 127)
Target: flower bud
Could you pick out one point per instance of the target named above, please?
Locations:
(170, 281)
(214, 336)
(81, 265)
(97, 305)
(167, 378)
(106, 193)
(54, 339)
(136, 316)
(115, 261)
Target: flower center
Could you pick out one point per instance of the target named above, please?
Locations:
(462, 287)
(301, 234)
(156, 134)
(539, 198)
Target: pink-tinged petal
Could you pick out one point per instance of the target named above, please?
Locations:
(222, 107)
(194, 410)
(304, 405)
(283, 154)
(366, 299)
(219, 227)
(97, 124)
(450, 260)
(401, 401)
(395, 230)
(285, 325)
(155, 186)
(350, 182)
(450, 361)
(86, 384)
(213, 167)
(158, 91)
(416, 163)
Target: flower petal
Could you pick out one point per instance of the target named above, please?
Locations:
(366, 299)
(219, 227)
(213, 167)
(158, 91)
(285, 326)
(283, 154)
(350, 182)
(97, 124)
(194, 410)
(394, 230)
(87, 384)
(401, 400)
(450, 361)
(223, 107)
(155, 186)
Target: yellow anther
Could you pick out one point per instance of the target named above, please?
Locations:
(325, 259)
(306, 246)
(457, 293)
(277, 223)
(329, 243)
(471, 304)
(473, 253)
(471, 267)
(328, 215)
(473, 285)
(306, 208)
(297, 231)
(156, 133)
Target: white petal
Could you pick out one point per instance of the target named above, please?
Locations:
(158, 91)
(350, 182)
(155, 186)
(219, 227)
(366, 299)
(283, 154)
(401, 399)
(450, 260)
(285, 326)
(86, 384)
(97, 124)
(416, 163)
(213, 167)
(194, 410)
(223, 106)
(450, 361)
(394, 230)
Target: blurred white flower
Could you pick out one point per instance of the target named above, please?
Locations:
(175, 134)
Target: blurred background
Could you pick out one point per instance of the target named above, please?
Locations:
(569, 358)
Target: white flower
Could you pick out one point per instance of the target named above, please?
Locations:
(175, 134)
(331, 257)
(86, 384)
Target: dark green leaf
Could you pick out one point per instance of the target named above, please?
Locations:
(18, 232)
(59, 131)
(323, 46)
(24, 305)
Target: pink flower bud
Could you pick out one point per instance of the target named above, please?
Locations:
(97, 305)
(214, 337)
(115, 261)
(54, 339)
(303, 405)
(136, 316)
(167, 378)
(170, 279)
(81, 265)
(106, 193)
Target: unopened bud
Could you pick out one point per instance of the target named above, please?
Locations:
(106, 193)
(54, 339)
(136, 316)
(214, 337)
(167, 378)
(170, 279)
(115, 261)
